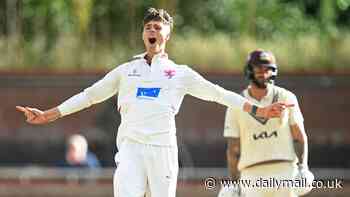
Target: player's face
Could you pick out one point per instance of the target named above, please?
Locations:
(155, 35)
(262, 75)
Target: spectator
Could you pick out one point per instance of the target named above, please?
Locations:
(78, 154)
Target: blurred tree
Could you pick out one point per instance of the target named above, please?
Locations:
(328, 15)
(44, 23)
(40, 31)
(47, 18)
(343, 4)
(110, 20)
(82, 11)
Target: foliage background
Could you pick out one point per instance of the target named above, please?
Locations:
(210, 35)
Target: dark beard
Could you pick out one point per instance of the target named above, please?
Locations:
(260, 85)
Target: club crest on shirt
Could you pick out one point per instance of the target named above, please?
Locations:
(169, 73)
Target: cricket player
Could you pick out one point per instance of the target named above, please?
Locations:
(264, 148)
(150, 90)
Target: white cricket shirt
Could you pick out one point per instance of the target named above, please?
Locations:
(149, 97)
(264, 139)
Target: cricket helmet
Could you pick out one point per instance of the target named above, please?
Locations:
(260, 57)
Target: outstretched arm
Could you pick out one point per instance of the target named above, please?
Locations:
(98, 92)
(272, 111)
(201, 88)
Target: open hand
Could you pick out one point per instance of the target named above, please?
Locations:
(33, 115)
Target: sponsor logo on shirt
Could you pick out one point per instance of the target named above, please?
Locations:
(147, 93)
(265, 135)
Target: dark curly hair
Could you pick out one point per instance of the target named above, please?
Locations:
(162, 15)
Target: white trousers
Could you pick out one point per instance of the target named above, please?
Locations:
(143, 167)
(264, 175)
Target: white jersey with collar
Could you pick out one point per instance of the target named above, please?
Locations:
(149, 97)
(264, 139)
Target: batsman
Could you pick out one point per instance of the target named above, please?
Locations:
(266, 148)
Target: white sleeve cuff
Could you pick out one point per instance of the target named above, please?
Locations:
(74, 104)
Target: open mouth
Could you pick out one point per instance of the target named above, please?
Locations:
(152, 40)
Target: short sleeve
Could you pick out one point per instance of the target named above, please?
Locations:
(231, 128)
(296, 116)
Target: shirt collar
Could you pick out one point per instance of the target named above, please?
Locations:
(269, 91)
(156, 57)
(160, 56)
(142, 55)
